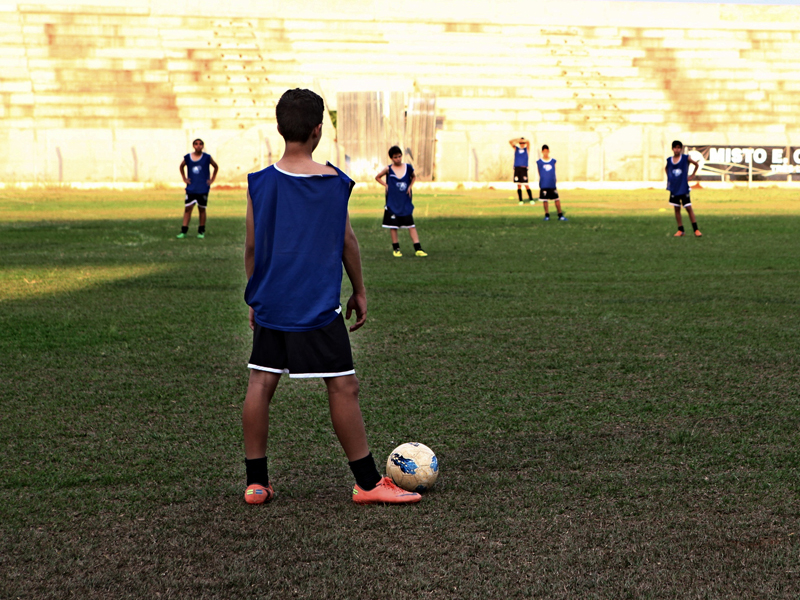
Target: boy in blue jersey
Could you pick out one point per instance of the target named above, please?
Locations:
(678, 185)
(398, 213)
(547, 183)
(297, 239)
(198, 183)
(521, 147)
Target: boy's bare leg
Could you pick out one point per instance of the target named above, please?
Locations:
(187, 215)
(545, 203)
(255, 414)
(393, 233)
(678, 217)
(691, 214)
(346, 415)
(202, 216)
(412, 231)
(558, 206)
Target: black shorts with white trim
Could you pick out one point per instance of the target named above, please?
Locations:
(393, 221)
(200, 199)
(680, 199)
(548, 194)
(520, 174)
(323, 352)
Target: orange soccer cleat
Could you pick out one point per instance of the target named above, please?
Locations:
(258, 494)
(386, 492)
(679, 234)
(697, 233)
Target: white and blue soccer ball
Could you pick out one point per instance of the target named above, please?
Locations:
(413, 467)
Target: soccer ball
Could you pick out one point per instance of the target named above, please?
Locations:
(413, 466)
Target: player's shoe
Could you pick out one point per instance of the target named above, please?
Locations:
(420, 253)
(697, 233)
(181, 236)
(562, 218)
(521, 203)
(547, 217)
(201, 236)
(679, 234)
(386, 492)
(533, 202)
(397, 253)
(258, 494)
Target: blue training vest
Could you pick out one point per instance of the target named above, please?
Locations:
(299, 223)
(547, 174)
(678, 176)
(198, 173)
(520, 157)
(398, 200)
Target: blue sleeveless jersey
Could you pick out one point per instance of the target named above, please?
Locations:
(678, 176)
(198, 173)
(547, 174)
(299, 225)
(520, 157)
(398, 200)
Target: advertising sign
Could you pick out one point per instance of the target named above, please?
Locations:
(737, 163)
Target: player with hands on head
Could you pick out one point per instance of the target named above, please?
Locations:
(521, 151)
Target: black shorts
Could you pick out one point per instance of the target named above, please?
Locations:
(199, 199)
(548, 194)
(520, 174)
(684, 199)
(323, 352)
(393, 221)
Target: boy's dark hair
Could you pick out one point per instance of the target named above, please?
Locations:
(199, 140)
(677, 144)
(394, 150)
(298, 113)
(545, 147)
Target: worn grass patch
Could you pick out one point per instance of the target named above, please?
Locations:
(615, 410)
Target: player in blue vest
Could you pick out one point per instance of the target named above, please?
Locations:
(521, 148)
(298, 236)
(547, 183)
(678, 185)
(198, 183)
(398, 213)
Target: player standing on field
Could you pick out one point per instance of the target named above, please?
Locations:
(547, 183)
(298, 236)
(198, 183)
(678, 185)
(521, 147)
(398, 213)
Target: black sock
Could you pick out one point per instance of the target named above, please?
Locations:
(547, 214)
(530, 194)
(519, 193)
(365, 472)
(257, 471)
(395, 246)
(184, 229)
(560, 215)
(201, 229)
(680, 228)
(694, 226)
(417, 246)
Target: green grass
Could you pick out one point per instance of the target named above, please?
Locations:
(615, 411)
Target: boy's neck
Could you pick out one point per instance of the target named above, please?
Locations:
(197, 154)
(297, 158)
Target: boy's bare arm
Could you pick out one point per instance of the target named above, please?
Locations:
(213, 163)
(514, 142)
(351, 258)
(250, 249)
(696, 166)
(379, 176)
(411, 183)
(183, 172)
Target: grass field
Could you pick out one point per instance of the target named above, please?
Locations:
(615, 411)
